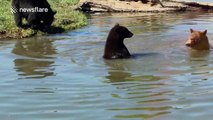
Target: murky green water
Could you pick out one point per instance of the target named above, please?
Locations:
(64, 77)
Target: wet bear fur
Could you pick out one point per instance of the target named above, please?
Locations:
(114, 47)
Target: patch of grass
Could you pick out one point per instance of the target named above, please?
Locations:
(65, 19)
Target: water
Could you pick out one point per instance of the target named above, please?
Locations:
(63, 77)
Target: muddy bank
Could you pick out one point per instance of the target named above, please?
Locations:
(194, 4)
(129, 6)
(138, 6)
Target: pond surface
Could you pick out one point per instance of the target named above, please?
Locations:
(63, 77)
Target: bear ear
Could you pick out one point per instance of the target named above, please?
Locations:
(191, 30)
(117, 24)
(205, 32)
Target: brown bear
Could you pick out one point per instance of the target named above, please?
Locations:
(198, 40)
(114, 47)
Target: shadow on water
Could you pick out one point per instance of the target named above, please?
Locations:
(54, 30)
(35, 59)
(145, 91)
(41, 90)
(142, 55)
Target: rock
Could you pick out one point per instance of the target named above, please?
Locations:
(2, 32)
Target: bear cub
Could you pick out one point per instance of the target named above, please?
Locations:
(198, 40)
(26, 9)
(114, 47)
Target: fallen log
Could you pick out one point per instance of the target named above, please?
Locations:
(160, 3)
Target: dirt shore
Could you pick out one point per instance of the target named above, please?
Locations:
(125, 6)
(132, 6)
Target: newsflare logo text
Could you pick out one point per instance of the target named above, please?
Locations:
(33, 10)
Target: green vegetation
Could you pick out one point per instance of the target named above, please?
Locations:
(66, 19)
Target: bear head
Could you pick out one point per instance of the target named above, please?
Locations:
(198, 40)
(122, 31)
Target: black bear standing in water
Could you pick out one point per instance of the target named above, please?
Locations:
(38, 13)
(115, 47)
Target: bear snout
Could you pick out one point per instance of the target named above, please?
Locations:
(130, 35)
(188, 43)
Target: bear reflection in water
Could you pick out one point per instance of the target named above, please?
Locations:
(35, 58)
